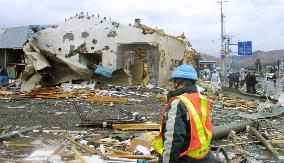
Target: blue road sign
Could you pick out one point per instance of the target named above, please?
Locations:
(245, 48)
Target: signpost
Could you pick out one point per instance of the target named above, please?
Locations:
(222, 54)
(245, 48)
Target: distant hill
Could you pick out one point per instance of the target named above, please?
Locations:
(266, 58)
(207, 57)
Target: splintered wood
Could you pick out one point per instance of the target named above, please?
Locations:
(235, 102)
(49, 93)
(242, 105)
(106, 100)
(137, 126)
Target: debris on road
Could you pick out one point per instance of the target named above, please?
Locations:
(101, 101)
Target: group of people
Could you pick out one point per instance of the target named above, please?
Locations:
(249, 78)
(251, 82)
(234, 80)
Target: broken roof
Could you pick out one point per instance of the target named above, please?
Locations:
(14, 37)
(149, 30)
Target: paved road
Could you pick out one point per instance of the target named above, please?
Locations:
(275, 91)
(272, 88)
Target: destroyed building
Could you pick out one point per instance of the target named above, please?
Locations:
(90, 48)
(12, 61)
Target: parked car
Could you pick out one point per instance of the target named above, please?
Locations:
(269, 76)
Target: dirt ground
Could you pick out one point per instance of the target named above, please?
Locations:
(60, 114)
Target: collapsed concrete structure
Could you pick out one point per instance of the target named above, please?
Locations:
(90, 48)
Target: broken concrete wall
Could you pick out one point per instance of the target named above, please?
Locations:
(146, 55)
(171, 50)
(84, 43)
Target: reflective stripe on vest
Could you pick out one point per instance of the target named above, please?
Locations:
(200, 124)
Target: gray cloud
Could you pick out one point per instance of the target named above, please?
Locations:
(255, 20)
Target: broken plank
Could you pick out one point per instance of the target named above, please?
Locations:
(23, 161)
(86, 147)
(236, 144)
(18, 145)
(17, 132)
(78, 154)
(137, 126)
(106, 100)
(277, 141)
(117, 151)
(147, 157)
(264, 142)
(19, 150)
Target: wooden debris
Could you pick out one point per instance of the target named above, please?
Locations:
(49, 93)
(135, 142)
(86, 147)
(148, 157)
(23, 161)
(78, 154)
(18, 145)
(137, 126)
(17, 132)
(19, 150)
(236, 144)
(117, 151)
(106, 100)
(253, 142)
(274, 152)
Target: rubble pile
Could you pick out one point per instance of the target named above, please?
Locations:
(96, 122)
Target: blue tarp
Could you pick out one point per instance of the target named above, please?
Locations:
(3, 79)
(105, 71)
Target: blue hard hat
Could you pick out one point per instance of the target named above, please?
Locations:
(184, 72)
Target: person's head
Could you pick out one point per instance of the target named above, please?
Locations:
(184, 76)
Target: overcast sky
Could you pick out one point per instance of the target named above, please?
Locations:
(260, 21)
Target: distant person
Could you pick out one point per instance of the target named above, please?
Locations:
(242, 79)
(274, 78)
(205, 76)
(237, 80)
(248, 82)
(282, 82)
(253, 82)
(231, 80)
(215, 82)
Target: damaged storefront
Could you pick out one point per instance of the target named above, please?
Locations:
(92, 48)
(12, 62)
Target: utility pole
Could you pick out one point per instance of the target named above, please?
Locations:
(223, 53)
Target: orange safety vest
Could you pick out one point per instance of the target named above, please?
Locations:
(198, 108)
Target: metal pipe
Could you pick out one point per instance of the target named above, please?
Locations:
(223, 131)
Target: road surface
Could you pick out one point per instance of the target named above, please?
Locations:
(270, 87)
(274, 90)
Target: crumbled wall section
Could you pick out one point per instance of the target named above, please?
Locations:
(91, 35)
(85, 34)
(68, 36)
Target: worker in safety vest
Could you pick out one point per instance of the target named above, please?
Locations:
(186, 128)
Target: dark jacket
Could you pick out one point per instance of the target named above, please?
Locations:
(253, 79)
(248, 79)
(177, 131)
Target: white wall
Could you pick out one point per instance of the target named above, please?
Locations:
(51, 40)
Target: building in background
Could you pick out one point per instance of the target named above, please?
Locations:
(12, 56)
(206, 67)
(88, 47)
